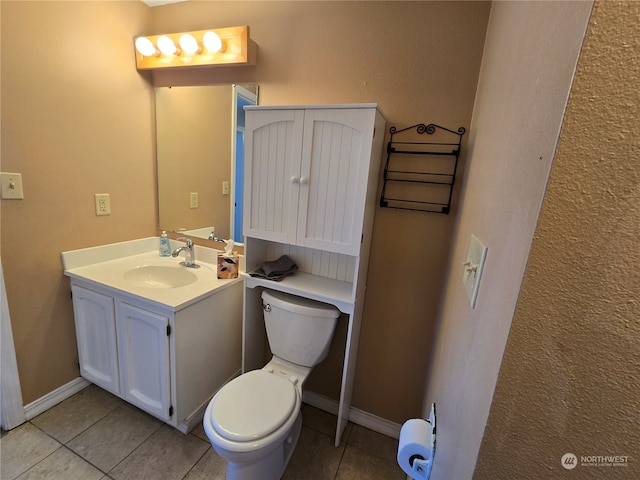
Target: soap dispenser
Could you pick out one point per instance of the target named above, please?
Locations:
(165, 248)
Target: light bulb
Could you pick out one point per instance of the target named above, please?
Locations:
(189, 44)
(145, 47)
(212, 42)
(166, 45)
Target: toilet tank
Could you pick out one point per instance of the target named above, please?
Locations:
(299, 329)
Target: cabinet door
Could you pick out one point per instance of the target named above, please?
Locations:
(334, 175)
(273, 145)
(143, 347)
(96, 336)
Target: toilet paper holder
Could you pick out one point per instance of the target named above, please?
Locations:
(419, 464)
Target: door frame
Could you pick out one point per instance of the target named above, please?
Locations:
(241, 97)
(11, 406)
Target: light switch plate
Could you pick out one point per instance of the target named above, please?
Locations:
(473, 269)
(11, 186)
(193, 200)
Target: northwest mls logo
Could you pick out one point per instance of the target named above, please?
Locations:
(569, 461)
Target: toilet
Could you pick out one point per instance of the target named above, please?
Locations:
(254, 421)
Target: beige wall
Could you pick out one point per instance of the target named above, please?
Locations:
(570, 378)
(76, 120)
(529, 59)
(418, 60)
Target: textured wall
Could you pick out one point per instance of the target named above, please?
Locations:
(570, 379)
(528, 63)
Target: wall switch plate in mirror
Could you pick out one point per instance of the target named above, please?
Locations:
(473, 269)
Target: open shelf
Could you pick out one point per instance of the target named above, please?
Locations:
(327, 290)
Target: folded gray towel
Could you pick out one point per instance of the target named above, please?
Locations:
(276, 278)
(275, 269)
(282, 265)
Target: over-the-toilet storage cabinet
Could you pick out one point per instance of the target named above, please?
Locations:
(310, 190)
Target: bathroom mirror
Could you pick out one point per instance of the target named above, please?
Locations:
(199, 154)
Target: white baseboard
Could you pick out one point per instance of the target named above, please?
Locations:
(375, 423)
(51, 399)
(321, 402)
(357, 416)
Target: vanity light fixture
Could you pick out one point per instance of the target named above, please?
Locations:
(189, 44)
(145, 47)
(213, 42)
(166, 46)
(216, 46)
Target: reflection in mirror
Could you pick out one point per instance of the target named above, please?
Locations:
(199, 151)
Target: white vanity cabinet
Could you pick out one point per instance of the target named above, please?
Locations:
(124, 349)
(167, 361)
(310, 192)
(306, 175)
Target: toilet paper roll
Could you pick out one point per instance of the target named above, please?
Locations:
(415, 454)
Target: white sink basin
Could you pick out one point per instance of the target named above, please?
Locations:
(156, 276)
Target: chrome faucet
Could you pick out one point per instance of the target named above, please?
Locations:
(190, 249)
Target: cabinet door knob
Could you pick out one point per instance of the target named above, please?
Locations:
(304, 180)
(295, 179)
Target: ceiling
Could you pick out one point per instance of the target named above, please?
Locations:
(157, 3)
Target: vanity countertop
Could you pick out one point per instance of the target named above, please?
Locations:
(123, 269)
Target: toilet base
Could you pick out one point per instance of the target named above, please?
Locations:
(272, 465)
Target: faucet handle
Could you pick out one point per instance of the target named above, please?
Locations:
(187, 240)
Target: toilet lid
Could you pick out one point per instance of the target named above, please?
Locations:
(252, 406)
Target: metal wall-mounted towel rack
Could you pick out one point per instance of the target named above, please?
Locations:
(420, 175)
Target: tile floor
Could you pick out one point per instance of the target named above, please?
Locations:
(95, 435)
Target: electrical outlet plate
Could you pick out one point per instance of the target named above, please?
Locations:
(11, 186)
(103, 204)
(193, 200)
(473, 269)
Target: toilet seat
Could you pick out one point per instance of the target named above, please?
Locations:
(252, 406)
